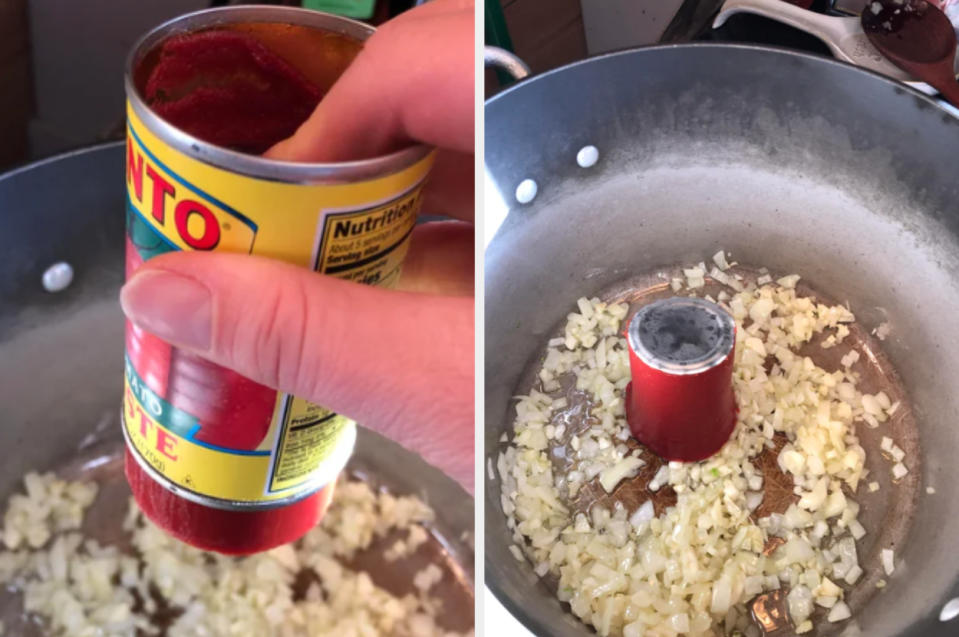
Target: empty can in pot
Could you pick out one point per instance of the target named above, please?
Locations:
(680, 402)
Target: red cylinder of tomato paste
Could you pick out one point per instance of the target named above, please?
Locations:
(680, 402)
(214, 458)
(223, 530)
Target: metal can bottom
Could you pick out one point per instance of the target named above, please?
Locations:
(231, 532)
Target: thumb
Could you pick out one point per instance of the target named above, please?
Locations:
(398, 362)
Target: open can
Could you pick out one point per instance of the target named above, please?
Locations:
(216, 459)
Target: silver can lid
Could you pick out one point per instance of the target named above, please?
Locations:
(682, 335)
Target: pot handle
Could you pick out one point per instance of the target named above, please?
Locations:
(830, 30)
(843, 35)
(498, 58)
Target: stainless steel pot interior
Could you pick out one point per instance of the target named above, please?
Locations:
(61, 355)
(790, 161)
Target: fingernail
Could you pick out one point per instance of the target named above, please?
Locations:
(174, 307)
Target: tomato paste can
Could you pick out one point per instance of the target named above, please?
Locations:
(214, 458)
(680, 402)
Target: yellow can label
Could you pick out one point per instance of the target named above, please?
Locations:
(356, 231)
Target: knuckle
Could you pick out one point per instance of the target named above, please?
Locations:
(270, 340)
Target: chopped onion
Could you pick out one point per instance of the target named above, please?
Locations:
(75, 586)
(887, 556)
(839, 612)
(661, 478)
(753, 585)
(634, 629)
(800, 603)
(797, 550)
(853, 574)
(792, 461)
(835, 503)
(680, 622)
(828, 589)
(899, 471)
(897, 453)
(582, 524)
(643, 514)
(626, 468)
(850, 359)
(826, 602)
(796, 518)
(857, 530)
(789, 282)
(871, 405)
(700, 560)
(722, 596)
(720, 260)
(813, 500)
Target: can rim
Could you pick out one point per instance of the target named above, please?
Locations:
(254, 165)
(719, 353)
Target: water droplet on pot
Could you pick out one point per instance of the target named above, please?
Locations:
(526, 191)
(950, 611)
(587, 156)
(58, 277)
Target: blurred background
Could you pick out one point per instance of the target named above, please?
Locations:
(61, 65)
(548, 34)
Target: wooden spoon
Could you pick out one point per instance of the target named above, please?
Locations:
(918, 38)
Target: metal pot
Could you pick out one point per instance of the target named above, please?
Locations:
(794, 162)
(61, 361)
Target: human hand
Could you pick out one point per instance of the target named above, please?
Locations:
(398, 361)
